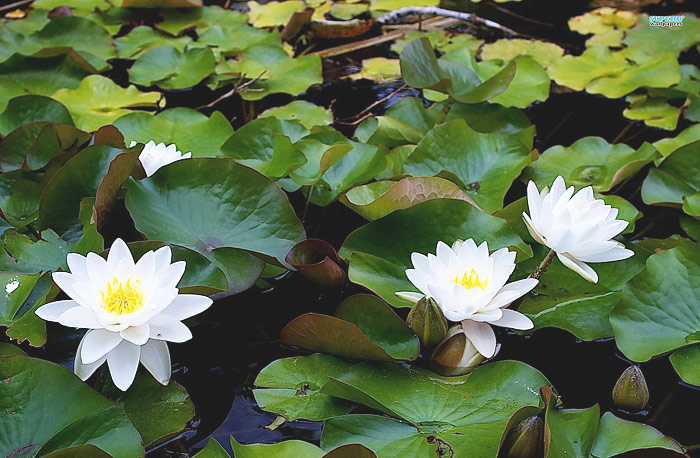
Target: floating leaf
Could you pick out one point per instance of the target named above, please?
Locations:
(190, 130)
(686, 362)
(276, 71)
(98, 101)
(305, 113)
(530, 83)
(564, 300)
(213, 449)
(318, 261)
(675, 179)
(460, 416)
(378, 199)
(590, 161)
(168, 68)
(274, 13)
(655, 112)
(143, 38)
(161, 3)
(484, 165)
(645, 40)
(391, 5)
(209, 203)
(666, 146)
(378, 69)
(281, 449)
(380, 252)
(32, 108)
(45, 408)
(542, 52)
(292, 387)
(661, 304)
(375, 332)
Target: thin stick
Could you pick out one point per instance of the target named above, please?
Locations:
(382, 100)
(516, 15)
(308, 201)
(14, 5)
(623, 132)
(542, 268)
(236, 88)
(559, 125)
(397, 14)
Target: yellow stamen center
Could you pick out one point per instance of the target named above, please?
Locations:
(122, 298)
(471, 280)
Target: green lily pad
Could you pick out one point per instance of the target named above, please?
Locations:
(460, 416)
(590, 161)
(675, 179)
(161, 3)
(98, 101)
(660, 303)
(686, 362)
(276, 71)
(645, 40)
(610, 73)
(190, 130)
(564, 300)
(158, 412)
(616, 436)
(378, 69)
(17, 288)
(176, 204)
(305, 113)
(655, 112)
(376, 332)
(484, 165)
(213, 449)
(22, 75)
(32, 108)
(666, 146)
(378, 199)
(80, 177)
(45, 408)
(421, 69)
(291, 387)
(380, 252)
(81, 34)
(391, 5)
(168, 68)
(274, 13)
(542, 52)
(143, 38)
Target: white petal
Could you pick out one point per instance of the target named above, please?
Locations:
(82, 370)
(77, 265)
(514, 320)
(97, 343)
(420, 262)
(117, 253)
(80, 317)
(97, 269)
(487, 315)
(53, 310)
(137, 335)
(408, 296)
(155, 357)
(163, 255)
(171, 275)
(482, 336)
(123, 362)
(511, 292)
(534, 202)
(187, 305)
(164, 327)
(533, 232)
(145, 267)
(419, 279)
(579, 267)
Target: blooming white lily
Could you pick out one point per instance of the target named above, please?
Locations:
(469, 285)
(130, 310)
(578, 227)
(155, 156)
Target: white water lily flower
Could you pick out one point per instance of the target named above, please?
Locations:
(469, 285)
(155, 156)
(130, 310)
(577, 227)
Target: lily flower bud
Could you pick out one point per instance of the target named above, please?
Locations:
(428, 322)
(525, 439)
(631, 393)
(456, 355)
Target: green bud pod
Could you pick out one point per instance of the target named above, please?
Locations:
(456, 355)
(525, 439)
(428, 322)
(631, 393)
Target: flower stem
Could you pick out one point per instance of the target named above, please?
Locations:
(542, 268)
(445, 110)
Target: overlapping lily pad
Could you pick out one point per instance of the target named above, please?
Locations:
(376, 332)
(676, 180)
(291, 387)
(380, 252)
(460, 416)
(177, 203)
(170, 68)
(590, 161)
(484, 165)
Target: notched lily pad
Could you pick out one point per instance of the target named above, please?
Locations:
(291, 387)
(318, 261)
(364, 327)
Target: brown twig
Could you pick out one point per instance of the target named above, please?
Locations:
(356, 122)
(516, 15)
(238, 87)
(15, 5)
(542, 268)
(382, 100)
(623, 132)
